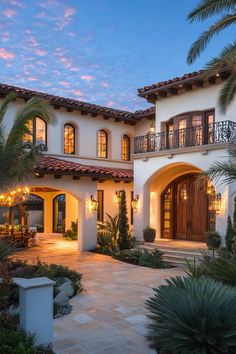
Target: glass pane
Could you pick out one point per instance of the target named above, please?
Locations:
(102, 144)
(166, 224)
(59, 213)
(100, 206)
(69, 139)
(182, 132)
(40, 131)
(125, 148)
(167, 215)
(28, 138)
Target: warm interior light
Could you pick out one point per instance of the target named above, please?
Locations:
(118, 197)
(215, 202)
(14, 197)
(152, 128)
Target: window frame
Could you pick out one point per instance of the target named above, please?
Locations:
(34, 131)
(74, 140)
(98, 144)
(125, 137)
(100, 191)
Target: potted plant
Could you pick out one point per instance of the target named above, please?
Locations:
(213, 240)
(149, 234)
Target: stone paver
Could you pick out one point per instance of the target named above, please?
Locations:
(109, 316)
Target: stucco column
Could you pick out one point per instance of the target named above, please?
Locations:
(227, 206)
(142, 216)
(87, 219)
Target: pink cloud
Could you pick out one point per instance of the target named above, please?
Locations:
(105, 84)
(78, 93)
(40, 52)
(110, 103)
(4, 54)
(87, 77)
(32, 78)
(64, 83)
(69, 11)
(9, 13)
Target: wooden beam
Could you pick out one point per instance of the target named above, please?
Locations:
(173, 91)
(56, 106)
(163, 93)
(198, 83)
(102, 180)
(69, 109)
(39, 175)
(94, 114)
(95, 178)
(187, 87)
(57, 176)
(84, 113)
(127, 182)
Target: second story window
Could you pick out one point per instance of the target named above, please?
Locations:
(37, 132)
(69, 139)
(125, 148)
(102, 144)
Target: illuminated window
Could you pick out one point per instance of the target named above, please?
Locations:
(125, 148)
(37, 132)
(69, 139)
(102, 144)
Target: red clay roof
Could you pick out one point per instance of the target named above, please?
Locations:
(72, 104)
(52, 165)
(175, 80)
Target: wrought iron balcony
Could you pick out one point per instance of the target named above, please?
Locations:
(216, 133)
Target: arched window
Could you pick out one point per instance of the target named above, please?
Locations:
(69, 139)
(102, 144)
(125, 148)
(59, 212)
(37, 132)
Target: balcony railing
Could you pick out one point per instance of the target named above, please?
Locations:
(215, 133)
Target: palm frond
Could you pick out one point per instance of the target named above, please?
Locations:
(5, 103)
(227, 58)
(33, 108)
(200, 44)
(208, 8)
(227, 93)
(225, 172)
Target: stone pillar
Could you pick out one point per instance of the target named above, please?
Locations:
(36, 308)
(22, 214)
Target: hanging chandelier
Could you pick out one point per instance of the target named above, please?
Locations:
(16, 196)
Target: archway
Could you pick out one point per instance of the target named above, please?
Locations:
(59, 213)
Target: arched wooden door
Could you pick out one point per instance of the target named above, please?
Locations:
(185, 214)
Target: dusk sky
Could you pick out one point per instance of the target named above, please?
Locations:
(98, 51)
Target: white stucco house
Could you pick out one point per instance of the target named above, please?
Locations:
(156, 155)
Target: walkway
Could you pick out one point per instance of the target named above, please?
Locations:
(109, 316)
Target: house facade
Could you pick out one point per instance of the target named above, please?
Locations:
(156, 155)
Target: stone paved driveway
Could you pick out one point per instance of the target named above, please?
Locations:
(109, 316)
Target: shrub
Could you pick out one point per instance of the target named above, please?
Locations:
(192, 316)
(110, 226)
(142, 257)
(16, 341)
(6, 250)
(149, 234)
(194, 269)
(52, 271)
(130, 256)
(124, 241)
(72, 234)
(230, 233)
(213, 240)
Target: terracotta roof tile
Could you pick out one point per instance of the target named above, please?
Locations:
(72, 104)
(51, 165)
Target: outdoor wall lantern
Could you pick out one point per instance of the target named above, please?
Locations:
(215, 203)
(118, 197)
(184, 192)
(93, 204)
(134, 202)
(152, 128)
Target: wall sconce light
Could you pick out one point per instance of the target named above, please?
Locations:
(134, 202)
(215, 203)
(118, 197)
(210, 188)
(152, 127)
(93, 204)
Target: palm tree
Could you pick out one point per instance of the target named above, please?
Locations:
(225, 169)
(227, 57)
(16, 158)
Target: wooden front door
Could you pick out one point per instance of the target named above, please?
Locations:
(188, 209)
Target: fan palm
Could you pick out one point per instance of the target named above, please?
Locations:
(225, 171)
(227, 57)
(16, 158)
(111, 225)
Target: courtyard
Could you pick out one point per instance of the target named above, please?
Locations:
(109, 315)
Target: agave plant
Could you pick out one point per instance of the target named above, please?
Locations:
(111, 225)
(192, 316)
(16, 159)
(6, 250)
(227, 58)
